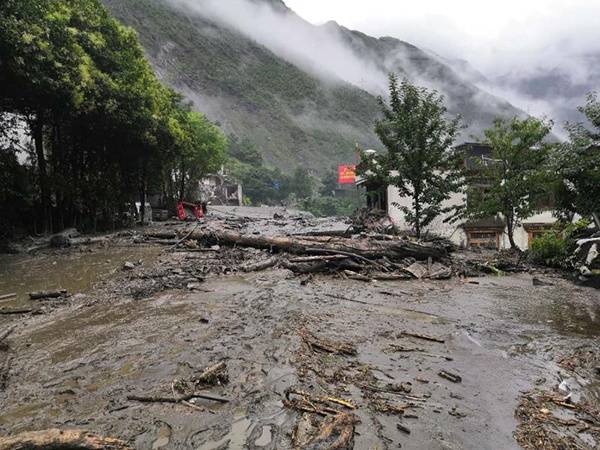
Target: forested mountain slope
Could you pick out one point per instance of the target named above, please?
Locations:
(293, 115)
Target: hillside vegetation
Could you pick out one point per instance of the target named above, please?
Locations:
(290, 115)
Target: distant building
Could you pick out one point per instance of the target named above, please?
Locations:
(484, 233)
(220, 189)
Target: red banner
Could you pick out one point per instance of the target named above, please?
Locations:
(346, 174)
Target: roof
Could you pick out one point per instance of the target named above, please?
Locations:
(488, 222)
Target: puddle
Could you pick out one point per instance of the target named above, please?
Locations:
(567, 318)
(265, 438)
(75, 271)
(163, 437)
(236, 439)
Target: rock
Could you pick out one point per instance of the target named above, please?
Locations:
(417, 270)
(538, 282)
(195, 287)
(60, 241)
(128, 265)
(440, 272)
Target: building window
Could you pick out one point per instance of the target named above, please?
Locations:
(489, 239)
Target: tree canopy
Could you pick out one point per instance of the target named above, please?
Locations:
(104, 129)
(577, 163)
(512, 182)
(420, 160)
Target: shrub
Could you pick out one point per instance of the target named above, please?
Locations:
(553, 247)
(549, 249)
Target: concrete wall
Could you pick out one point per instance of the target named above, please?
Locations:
(454, 231)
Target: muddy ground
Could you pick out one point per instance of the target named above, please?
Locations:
(527, 355)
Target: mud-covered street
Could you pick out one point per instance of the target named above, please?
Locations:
(311, 361)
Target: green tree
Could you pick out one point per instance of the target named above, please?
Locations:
(104, 128)
(200, 149)
(330, 183)
(577, 163)
(514, 181)
(301, 183)
(420, 161)
(245, 151)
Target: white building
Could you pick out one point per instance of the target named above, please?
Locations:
(489, 233)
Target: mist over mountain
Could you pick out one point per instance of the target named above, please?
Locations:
(555, 91)
(303, 94)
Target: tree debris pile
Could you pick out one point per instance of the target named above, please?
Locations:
(331, 364)
(565, 417)
(372, 221)
(550, 422)
(370, 257)
(56, 439)
(188, 392)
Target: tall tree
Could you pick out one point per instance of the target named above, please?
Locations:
(577, 163)
(514, 181)
(421, 161)
(100, 119)
(301, 183)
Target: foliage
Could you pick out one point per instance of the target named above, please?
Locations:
(104, 129)
(291, 116)
(577, 164)
(549, 249)
(329, 183)
(420, 161)
(555, 246)
(329, 206)
(514, 181)
(261, 185)
(245, 151)
(301, 183)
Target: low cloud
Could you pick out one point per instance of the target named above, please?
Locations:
(319, 50)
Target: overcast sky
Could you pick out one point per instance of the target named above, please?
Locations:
(493, 35)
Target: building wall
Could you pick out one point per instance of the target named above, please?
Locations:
(454, 231)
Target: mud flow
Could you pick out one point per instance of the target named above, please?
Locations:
(183, 348)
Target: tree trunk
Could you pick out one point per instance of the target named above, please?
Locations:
(182, 183)
(360, 248)
(596, 218)
(510, 228)
(142, 192)
(60, 439)
(417, 204)
(38, 138)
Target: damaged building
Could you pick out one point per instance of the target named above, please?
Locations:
(220, 189)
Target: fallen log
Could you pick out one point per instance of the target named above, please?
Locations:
(186, 398)
(423, 336)
(362, 249)
(450, 376)
(261, 265)
(14, 312)
(7, 333)
(6, 296)
(60, 439)
(327, 345)
(213, 375)
(318, 258)
(47, 294)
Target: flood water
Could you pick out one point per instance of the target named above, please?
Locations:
(75, 271)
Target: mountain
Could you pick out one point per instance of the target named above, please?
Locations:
(303, 94)
(559, 90)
